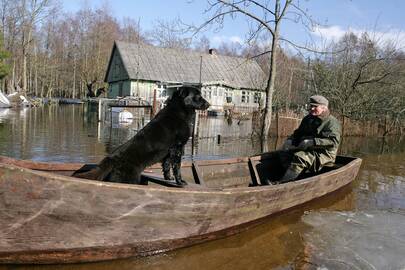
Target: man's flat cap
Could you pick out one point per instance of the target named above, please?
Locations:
(318, 100)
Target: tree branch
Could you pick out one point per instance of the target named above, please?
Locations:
(248, 14)
(219, 15)
(263, 7)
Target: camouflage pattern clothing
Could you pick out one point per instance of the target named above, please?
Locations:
(325, 131)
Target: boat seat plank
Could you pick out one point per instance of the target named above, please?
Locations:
(85, 168)
(144, 177)
(254, 174)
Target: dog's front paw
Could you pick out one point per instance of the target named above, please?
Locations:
(168, 177)
(181, 182)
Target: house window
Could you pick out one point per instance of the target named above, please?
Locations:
(257, 96)
(215, 92)
(245, 97)
(162, 93)
(209, 94)
(228, 95)
(220, 92)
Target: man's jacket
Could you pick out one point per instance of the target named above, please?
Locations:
(326, 132)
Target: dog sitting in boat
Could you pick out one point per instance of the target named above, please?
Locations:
(161, 140)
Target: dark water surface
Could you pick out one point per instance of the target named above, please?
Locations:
(295, 239)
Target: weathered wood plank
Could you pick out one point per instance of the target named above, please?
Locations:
(51, 218)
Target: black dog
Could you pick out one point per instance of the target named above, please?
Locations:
(162, 139)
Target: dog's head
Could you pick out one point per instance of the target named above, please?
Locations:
(191, 98)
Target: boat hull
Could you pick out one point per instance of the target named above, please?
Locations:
(51, 218)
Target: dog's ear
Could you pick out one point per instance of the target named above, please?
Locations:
(187, 96)
(173, 94)
(181, 93)
(184, 92)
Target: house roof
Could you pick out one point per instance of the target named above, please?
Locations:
(147, 62)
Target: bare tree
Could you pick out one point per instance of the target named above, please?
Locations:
(58, 55)
(230, 49)
(131, 31)
(31, 12)
(169, 34)
(202, 45)
(4, 68)
(363, 79)
(265, 18)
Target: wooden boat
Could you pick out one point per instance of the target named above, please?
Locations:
(48, 217)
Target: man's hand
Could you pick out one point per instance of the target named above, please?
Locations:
(287, 145)
(306, 143)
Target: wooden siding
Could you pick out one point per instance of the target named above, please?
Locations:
(51, 218)
(216, 96)
(114, 89)
(143, 89)
(116, 70)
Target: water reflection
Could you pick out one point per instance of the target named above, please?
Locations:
(73, 133)
(70, 133)
(50, 133)
(362, 146)
(212, 126)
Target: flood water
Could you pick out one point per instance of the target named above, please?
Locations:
(344, 230)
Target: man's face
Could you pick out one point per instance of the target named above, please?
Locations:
(317, 110)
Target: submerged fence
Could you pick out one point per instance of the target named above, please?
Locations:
(284, 126)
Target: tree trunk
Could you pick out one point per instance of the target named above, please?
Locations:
(270, 87)
(24, 73)
(25, 47)
(74, 77)
(287, 100)
(12, 83)
(343, 125)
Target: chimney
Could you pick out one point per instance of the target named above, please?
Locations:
(212, 51)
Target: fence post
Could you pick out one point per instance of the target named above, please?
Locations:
(277, 124)
(153, 112)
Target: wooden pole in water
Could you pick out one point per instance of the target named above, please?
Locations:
(153, 112)
(195, 126)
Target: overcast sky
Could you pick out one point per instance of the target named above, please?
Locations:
(383, 18)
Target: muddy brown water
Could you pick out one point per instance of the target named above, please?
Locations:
(68, 133)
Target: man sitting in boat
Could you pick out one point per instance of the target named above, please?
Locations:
(314, 144)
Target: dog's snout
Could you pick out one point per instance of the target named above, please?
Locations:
(206, 105)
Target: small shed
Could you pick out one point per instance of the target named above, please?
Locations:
(142, 70)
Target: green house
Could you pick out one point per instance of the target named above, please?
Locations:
(142, 70)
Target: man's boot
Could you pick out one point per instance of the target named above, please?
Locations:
(290, 175)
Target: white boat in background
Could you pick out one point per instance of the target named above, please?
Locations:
(18, 100)
(4, 101)
(4, 112)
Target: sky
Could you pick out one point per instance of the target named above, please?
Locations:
(382, 18)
